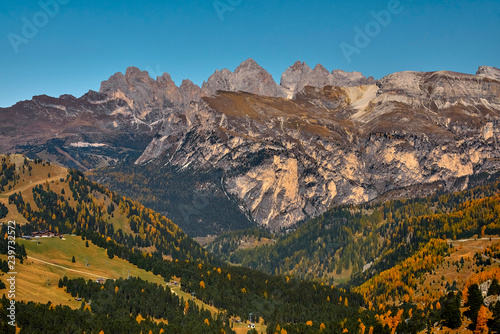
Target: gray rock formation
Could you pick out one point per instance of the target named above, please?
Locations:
(249, 77)
(147, 99)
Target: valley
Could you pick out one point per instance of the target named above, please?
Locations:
(404, 273)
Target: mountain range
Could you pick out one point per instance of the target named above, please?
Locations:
(282, 153)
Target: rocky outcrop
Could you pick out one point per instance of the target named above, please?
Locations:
(489, 72)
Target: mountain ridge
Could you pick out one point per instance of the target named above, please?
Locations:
(283, 157)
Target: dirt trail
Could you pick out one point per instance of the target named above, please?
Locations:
(66, 268)
(31, 185)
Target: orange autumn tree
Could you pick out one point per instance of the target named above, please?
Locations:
(139, 318)
(482, 320)
(362, 327)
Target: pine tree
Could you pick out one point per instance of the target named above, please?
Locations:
(474, 302)
(495, 323)
(494, 288)
(451, 315)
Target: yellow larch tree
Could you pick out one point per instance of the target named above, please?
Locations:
(482, 320)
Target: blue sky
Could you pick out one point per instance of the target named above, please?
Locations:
(82, 43)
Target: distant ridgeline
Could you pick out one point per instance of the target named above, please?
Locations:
(378, 235)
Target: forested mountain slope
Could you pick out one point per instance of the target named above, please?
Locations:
(377, 236)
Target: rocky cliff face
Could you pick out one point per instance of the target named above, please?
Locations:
(286, 152)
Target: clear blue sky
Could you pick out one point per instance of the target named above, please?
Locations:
(85, 42)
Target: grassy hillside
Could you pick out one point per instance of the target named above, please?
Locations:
(53, 198)
(50, 260)
(25, 175)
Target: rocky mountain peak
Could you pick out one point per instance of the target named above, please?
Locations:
(165, 79)
(320, 70)
(248, 77)
(300, 66)
(144, 94)
(489, 72)
(133, 73)
(116, 82)
(189, 91)
(248, 65)
(293, 76)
